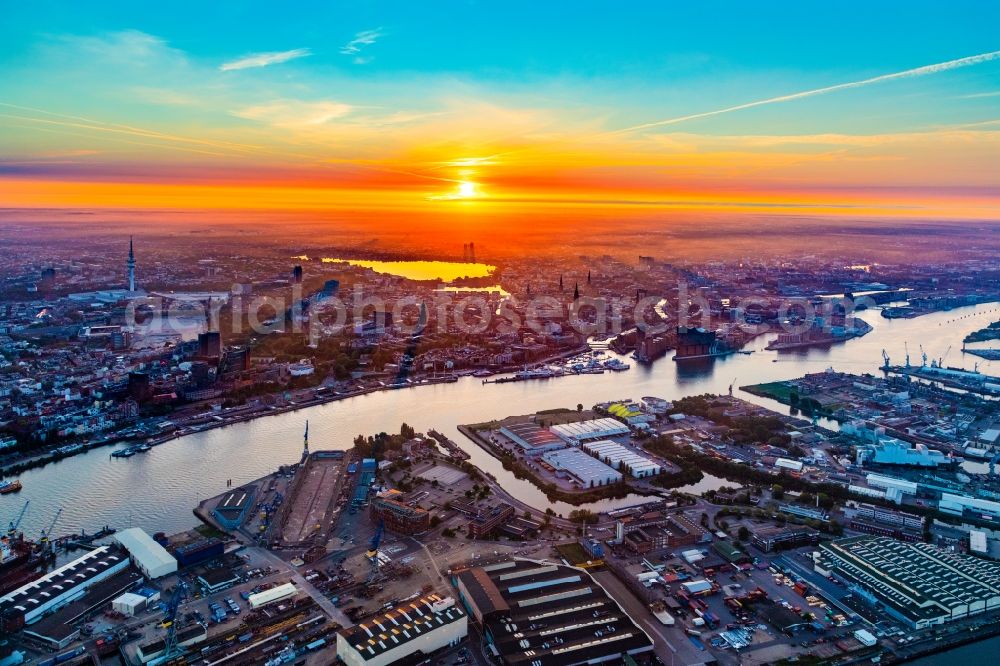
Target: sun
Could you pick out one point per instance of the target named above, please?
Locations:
(467, 189)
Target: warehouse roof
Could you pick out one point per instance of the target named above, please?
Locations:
(590, 429)
(584, 467)
(402, 624)
(68, 576)
(144, 550)
(555, 615)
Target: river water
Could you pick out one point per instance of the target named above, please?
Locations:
(158, 490)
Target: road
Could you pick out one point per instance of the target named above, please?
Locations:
(669, 642)
(324, 603)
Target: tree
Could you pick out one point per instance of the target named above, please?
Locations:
(743, 534)
(579, 406)
(777, 492)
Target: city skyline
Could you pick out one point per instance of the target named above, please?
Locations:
(468, 110)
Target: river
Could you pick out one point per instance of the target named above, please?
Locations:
(157, 490)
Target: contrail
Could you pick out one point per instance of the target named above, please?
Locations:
(906, 74)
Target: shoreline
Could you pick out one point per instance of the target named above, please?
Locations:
(43, 459)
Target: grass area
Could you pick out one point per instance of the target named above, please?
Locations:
(780, 391)
(208, 531)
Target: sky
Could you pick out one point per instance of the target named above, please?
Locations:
(834, 109)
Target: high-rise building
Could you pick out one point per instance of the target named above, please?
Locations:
(297, 274)
(210, 344)
(130, 265)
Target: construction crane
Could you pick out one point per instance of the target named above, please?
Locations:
(373, 545)
(14, 524)
(47, 534)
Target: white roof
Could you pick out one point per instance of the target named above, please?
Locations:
(592, 428)
(141, 546)
(275, 593)
(130, 598)
(977, 541)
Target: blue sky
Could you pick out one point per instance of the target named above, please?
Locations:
(389, 80)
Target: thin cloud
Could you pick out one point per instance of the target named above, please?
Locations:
(360, 41)
(905, 74)
(264, 59)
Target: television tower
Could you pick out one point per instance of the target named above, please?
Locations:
(130, 264)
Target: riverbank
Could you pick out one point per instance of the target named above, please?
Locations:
(210, 421)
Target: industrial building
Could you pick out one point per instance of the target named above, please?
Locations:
(415, 628)
(881, 521)
(621, 458)
(400, 517)
(540, 614)
(65, 584)
(584, 470)
(532, 439)
(185, 638)
(484, 522)
(232, 509)
(916, 583)
(656, 532)
(770, 538)
(894, 488)
(57, 630)
(960, 505)
(586, 431)
(889, 451)
(216, 580)
(149, 557)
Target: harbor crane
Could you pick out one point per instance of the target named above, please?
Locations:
(923, 357)
(170, 650)
(731, 384)
(906, 346)
(14, 524)
(47, 534)
(885, 359)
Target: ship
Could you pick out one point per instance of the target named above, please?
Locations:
(7, 487)
(21, 561)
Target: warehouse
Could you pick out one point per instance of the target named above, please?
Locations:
(621, 458)
(586, 431)
(584, 470)
(539, 613)
(65, 584)
(149, 557)
(422, 627)
(532, 439)
(917, 583)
